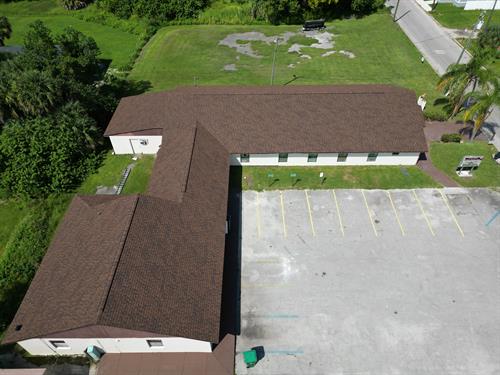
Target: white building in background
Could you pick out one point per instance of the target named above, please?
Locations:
(473, 4)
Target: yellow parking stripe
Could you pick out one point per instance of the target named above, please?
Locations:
(258, 215)
(310, 213)
(396, 213)
(423, 213)
(283, 214)
(369, 214)
(452, 213)
(338, 212)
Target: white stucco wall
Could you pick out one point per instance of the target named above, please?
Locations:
(127, 144)
(294, 159)
(481, 4)
(115, 345)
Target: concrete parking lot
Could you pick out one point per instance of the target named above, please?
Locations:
(371, 281)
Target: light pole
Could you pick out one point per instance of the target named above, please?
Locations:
(274, 60)
(395, 11)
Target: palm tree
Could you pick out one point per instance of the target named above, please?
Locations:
(32, 93)
(459, 77)
(483, 103)
(5, 30)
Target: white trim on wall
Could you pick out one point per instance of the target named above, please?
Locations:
(116, 345)
(332, 159)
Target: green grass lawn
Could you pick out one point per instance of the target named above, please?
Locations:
(116, 44)
(139, 177)
(454, 17)
(182, 55)
(111, 170)
(373, 177)
(11, 212)
(447, 156)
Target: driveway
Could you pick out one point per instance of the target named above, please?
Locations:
(370, 282)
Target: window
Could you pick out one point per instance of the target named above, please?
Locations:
(59, 344)
(342, 157)
(312, 158)
(395, 153)
(372, 156)
(282, 158)
(155, 343)
(245, 158)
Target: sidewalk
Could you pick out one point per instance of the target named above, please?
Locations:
(428, 168)
(433, 131)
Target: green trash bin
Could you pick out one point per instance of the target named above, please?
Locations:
(250, 358)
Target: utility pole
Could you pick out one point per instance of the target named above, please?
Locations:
(491, 14)
(274, 60)
(395, 11)
(469, 40)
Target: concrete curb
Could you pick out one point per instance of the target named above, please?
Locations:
(424, 5)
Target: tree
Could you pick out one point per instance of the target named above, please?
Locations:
(366, 6)
(482, 104)
(5, 30)
(48, 154)
(51, 71)
(489, 37)
(78, 56)
(459, 77)
(32, 93)
(74, 4)
(279, 11)
(154, 10)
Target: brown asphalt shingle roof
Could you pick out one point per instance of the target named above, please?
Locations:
(164, 252)
(70, 288)
(219, 362)
(354, 118)
(164, 256)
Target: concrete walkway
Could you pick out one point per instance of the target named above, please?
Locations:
(438, 47)
(433, 131)
(428, 168)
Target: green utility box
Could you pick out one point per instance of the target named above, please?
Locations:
(250, 358)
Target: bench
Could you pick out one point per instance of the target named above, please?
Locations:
(314, 25)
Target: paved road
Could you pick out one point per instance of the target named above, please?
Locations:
(436, 45)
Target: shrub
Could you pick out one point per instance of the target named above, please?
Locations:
(456, 138)
(435, 114)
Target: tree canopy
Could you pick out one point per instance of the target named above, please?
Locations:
(154, 10)
(48, 154)
(5, 30)
(55, 99)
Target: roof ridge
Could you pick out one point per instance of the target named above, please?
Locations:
(289, 93)
(117, 262)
